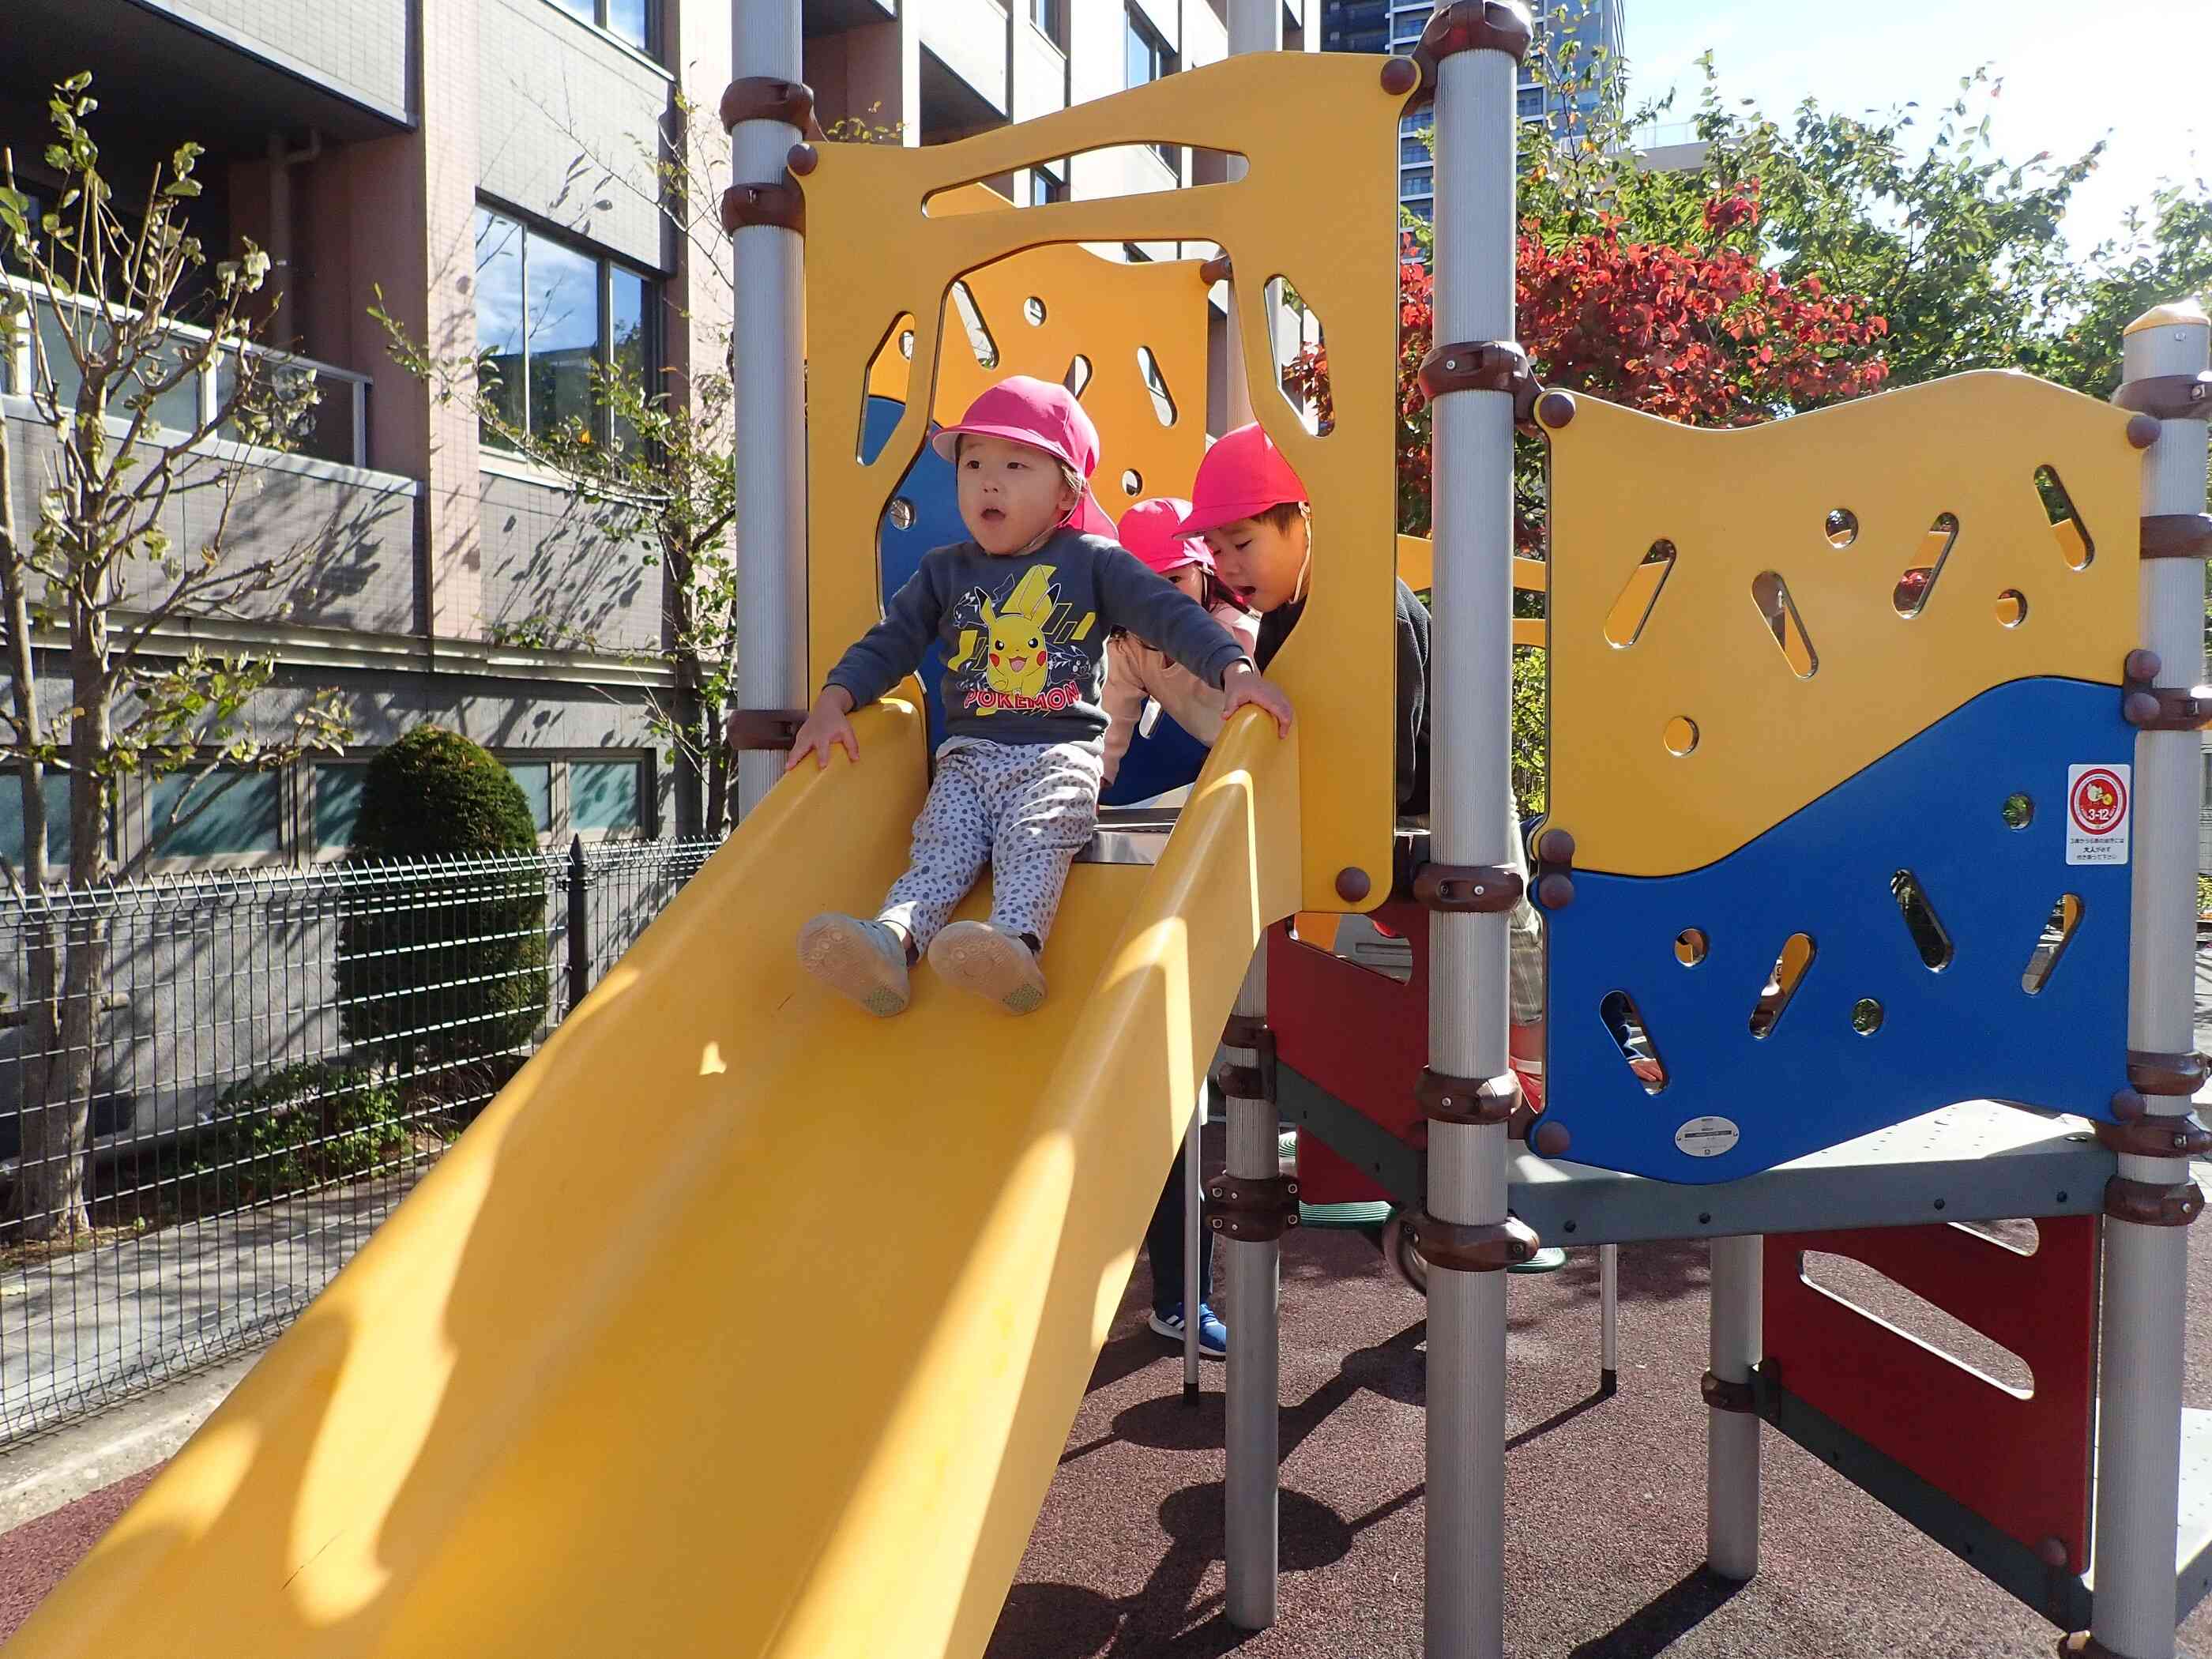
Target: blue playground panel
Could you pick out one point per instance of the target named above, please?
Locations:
(1968, 1030)
(1168, 759)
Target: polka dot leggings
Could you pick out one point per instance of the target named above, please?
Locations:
(1027, 809)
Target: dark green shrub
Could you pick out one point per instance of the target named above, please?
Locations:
(446, 967)
(302, 1126)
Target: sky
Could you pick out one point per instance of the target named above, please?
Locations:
(2136, 71)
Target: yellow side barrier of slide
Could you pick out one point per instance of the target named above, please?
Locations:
(742, 1324)
(1859, 573)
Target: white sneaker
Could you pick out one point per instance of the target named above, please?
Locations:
(976, 956)
(864, 960)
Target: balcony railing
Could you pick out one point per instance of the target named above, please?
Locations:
(334, 428)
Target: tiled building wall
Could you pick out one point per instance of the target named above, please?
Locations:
(357, 47)
(552, 575)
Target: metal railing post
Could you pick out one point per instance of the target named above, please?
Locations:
(580, 925)
(1465, 1235)
(2166, 377)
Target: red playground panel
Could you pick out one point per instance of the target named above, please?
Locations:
(2019, 1461)
(1357, 1033)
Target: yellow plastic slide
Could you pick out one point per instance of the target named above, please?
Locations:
(742, 1323)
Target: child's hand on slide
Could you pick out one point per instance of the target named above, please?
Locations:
(825, 727)
(1246, 686)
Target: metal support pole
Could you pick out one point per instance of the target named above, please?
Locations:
(1254, 1383)
(1193, 1245)
(768, 404)
(1253, 26)
(1472, 500)
(1732, 1434)
(2146, 1266)
(580, 925)
(1608, 1318)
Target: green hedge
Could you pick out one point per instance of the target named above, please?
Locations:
(449, 967)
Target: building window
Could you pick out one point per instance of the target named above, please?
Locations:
(337, 806)
(1148, 59)
(546, 312)
(587, 794)
(536, 778)
(1050, 17)
(1531, 102)
(57, 821)
(627, 20)
(1047, 184)
(1417, 181)
(231, 812)
(1413, 150)
(606, 795)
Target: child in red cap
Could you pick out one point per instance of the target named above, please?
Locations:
(1251, 507)
(1136, 673)
(1024, 608)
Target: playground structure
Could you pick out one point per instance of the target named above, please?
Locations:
(456, 1448)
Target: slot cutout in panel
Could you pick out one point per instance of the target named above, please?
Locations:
(1929, 937)
(2051, 939)
(1132, 161)
(1156, 383)
(1917, 585)
(889, 374)
(1077, 376)
(2076, 545)
(1623, 1024)
(978, 331)
(1791, 967)
(1770, 594)
(1632, 610)
(1911, 1316)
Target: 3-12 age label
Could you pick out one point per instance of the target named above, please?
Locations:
(2099, 799)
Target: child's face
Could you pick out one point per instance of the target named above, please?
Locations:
(1009, 493)
(1189, 578)
(1259, 563)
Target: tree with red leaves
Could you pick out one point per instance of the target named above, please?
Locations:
(1702, 334)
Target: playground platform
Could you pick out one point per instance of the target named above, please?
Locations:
(1126, 1559)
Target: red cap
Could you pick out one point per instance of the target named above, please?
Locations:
(1241, 476)
(1039, 413)
(1090, 518)
(1153, 530)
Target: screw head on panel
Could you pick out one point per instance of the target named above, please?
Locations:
(2144, 665)
(2142, 430)
(1551, 1139)
(1555, 409)
(803, 159)
(1400, 75)
(1353, 884)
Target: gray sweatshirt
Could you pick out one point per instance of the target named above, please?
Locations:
(1025, 638)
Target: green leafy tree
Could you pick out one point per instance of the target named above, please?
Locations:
(124, 321)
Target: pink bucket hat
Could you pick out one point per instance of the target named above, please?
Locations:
(1039, 413)
(1241, 476)
(1153, 530)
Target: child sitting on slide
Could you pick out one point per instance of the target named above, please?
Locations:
(1024, 608)
(1136, 673)
(1251, 507)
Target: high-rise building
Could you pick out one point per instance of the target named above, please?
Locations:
(1569, 34)
(487, 165)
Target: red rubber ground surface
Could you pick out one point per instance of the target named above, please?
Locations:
(1606, 1499)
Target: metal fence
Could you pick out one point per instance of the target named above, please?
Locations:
(270, 1060)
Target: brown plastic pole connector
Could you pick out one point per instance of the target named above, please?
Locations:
(1467, 26)
(2168, 396)
(2154, 1073)
(1248, 1032)
(2176, 535)
(802, 160)
(2153, 1204)
(770, 97)
(1219, 269)
(780, 204)
(1353, 884)
(1400, 75)
(1472, 1101)
(1479, 365)
(1555, 863)
(1550, 1139)
(2156, 1137)
(765, 728)
(2151, 707)
(1483, 889)
(1489, 1248)
(2143, 430)
(1723, 1396)
(1252, 1209)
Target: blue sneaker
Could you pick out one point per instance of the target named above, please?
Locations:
(1213, 1335)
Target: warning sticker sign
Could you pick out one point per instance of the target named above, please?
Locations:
(2098, 801)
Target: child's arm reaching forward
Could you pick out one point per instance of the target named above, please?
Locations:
(1169, 620)
(880, 659)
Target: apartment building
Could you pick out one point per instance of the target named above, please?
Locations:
(486, 165)
(1568, 32)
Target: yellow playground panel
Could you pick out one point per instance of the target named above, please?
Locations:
(1128, 339)
(1711, 597)
(903, 243)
